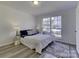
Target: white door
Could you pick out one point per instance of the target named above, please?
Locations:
(77, 29)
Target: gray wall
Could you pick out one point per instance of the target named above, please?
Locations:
(68, 24)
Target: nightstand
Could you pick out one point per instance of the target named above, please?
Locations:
(17, 40)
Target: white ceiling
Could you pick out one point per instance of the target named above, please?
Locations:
(43, 7)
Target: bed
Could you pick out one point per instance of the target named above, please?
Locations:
(37, 42)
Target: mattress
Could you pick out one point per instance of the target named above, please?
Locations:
(37, 42)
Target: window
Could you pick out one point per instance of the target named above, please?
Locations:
(56, 22)
(56, 26)
(46, 24)
(52, 24)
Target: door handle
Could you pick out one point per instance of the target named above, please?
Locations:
(75, 30)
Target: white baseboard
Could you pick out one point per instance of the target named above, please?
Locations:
(6, 44)
(66, 42)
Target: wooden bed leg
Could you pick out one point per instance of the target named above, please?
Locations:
(38, 51)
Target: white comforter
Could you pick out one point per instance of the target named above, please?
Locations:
(37, 42)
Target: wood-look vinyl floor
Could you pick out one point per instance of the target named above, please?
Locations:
(54, 50)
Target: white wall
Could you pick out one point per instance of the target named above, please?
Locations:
(69, 27)
(23, 20)
(68, 24)
(10, 17)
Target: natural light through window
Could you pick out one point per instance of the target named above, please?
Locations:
(53, 25)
